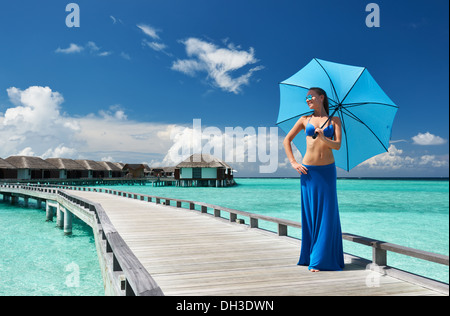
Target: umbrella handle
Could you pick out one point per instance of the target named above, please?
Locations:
(317, 134)
(329, 118)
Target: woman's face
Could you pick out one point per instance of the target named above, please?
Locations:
(313, 99)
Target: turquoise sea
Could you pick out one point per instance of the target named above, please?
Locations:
(38, 259)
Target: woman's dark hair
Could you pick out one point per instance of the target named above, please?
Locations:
(326, 105)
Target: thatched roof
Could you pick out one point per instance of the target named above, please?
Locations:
(165, 169)
(90, 165)
(109, 166)
(134, 166)
(202, 161)
(65, 164)
(26, 162)
(6, 165)
(119, 165)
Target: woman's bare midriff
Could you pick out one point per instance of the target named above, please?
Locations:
(317, 153)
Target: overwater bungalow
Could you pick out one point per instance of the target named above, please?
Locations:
(204, 170)
(67, 168)
(112, 170)
(164, 172)
(29, 168)
(92, 169)
(135, 170)
(7, 170)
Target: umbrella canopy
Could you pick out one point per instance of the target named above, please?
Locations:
(366, 112)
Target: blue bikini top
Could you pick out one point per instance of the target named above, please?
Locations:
(311, 129)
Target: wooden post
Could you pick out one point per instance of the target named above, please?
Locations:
(253, 222)
(379, 256)
(59, 217)
(68, 223)
(282, 230)
(48, 213)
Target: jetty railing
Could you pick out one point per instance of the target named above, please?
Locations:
(137, 281)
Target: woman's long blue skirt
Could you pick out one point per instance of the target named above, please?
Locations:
(321, 247)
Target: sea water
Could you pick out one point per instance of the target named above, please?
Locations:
(36, 259)
(411, 213)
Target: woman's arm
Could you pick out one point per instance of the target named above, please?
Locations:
(288, 148)
(336, 143)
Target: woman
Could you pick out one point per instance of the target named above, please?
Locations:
(321, 229)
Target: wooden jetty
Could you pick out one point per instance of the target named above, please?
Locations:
(162, 246)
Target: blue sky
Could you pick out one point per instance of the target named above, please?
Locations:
(117, 87)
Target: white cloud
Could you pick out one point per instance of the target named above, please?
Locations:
(251, 150)
(115, 112)
(95, 50)
(434, 161)
(115, 19)
(37, 108)
(60, 151)
(125, 56)
(149, 31)
(159, 47)
(72, 49)
(153, 33)
(428, 139)
(188, 66)
(218, 63)
(109, 136)
(26, 152)
(90, 46)
(35, 126)
(395, 159)
(109, 159)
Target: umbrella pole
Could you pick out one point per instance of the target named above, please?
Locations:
(329, 118)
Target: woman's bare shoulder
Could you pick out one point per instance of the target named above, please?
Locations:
(336, 120)
(304, 118)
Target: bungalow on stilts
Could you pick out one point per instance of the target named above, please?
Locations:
(203, 170)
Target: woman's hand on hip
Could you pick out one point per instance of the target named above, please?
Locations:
(300, 168)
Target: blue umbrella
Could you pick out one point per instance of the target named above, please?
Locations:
(366, 112)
